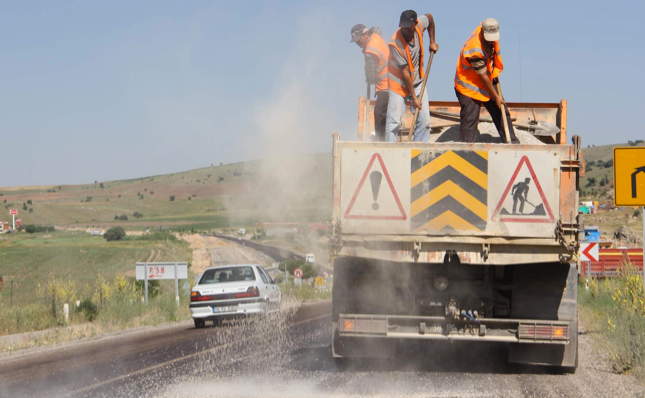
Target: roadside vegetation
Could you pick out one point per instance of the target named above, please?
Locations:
(66, 267)
(613, 310)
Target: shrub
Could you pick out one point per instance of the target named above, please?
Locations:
(114, 233)
(220, 179)
(137, 215)
(29, 202)
(55, 293)
(172, 198)
(140, 197)
(30, 229)
(152, 192)
(24, 206)
(101, 185)
(119, 196)
(31, 210)
(194, 196)
(89, 310)
(189, 198)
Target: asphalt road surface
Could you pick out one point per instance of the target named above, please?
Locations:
(267, 358)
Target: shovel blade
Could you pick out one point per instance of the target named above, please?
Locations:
(541, 128)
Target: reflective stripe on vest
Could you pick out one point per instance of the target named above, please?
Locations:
(467, 81)
(376, 45)
(399, 44)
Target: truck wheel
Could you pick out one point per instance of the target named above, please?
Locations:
(199, 323)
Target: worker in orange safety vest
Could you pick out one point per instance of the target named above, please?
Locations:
(405, 74)
(376, 59)
(479, 65)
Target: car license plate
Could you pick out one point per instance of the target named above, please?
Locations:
(435, 328)
(225, 309)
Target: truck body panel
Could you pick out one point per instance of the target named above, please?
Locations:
(457, 241)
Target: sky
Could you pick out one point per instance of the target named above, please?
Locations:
(114, 90)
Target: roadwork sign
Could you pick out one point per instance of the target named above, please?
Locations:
(589, 251)
(297, 273)
(523, 189)
(367, 201)
(13, 212)
(629, 176)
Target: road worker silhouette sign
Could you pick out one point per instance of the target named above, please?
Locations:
(523, 200)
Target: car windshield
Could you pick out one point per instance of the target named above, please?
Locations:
(227, 274)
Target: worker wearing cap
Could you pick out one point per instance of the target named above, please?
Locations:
(405, 74)
(478, 67)
(376, 58)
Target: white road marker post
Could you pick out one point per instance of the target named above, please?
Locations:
(146, 283)
(176, 286)
(643, 244)
(66, 312)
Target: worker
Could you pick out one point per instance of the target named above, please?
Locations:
(520, 192)
(406, 72)
(376, 58)
(478, 67)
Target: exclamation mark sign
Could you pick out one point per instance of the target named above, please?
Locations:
(375, 179)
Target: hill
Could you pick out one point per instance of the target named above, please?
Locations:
(219, 196)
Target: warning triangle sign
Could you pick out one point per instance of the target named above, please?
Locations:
(375, 197)
(523, 200)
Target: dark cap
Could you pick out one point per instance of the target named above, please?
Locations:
(408, 19)
(358, 31)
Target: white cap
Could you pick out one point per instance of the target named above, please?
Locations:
(490, 26)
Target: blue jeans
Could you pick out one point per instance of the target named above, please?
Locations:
(395, 109)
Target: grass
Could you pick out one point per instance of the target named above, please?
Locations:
(613, 310)
(304, 292)
(34, 259)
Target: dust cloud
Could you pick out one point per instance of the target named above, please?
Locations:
(292, 181)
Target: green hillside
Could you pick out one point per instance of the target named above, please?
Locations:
(218, 196)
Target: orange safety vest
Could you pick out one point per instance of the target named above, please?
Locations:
(395, 77)
(467, 80)
(377, 46)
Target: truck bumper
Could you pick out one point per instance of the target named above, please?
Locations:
(440, 328)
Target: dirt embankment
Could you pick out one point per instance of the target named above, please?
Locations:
(200, 245)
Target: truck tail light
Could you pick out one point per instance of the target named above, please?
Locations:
(347, 325)
(251, 292)
(543, 332)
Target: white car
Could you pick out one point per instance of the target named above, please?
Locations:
(232, 291)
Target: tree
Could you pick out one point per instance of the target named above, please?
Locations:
(31, 210)
(609, 163)
(591, 182)
(137, 215)
(220, 179)
(114, 233)
(600, 163)
(189, 198)
(101, 185)
(24, 206)
(172, 198)
(592, 163)
(29, 202)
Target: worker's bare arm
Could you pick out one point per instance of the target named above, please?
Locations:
(407, 79)
(493, 93)
(433, 44)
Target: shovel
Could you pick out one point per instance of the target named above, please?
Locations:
(539, 128)
(423, 90)
(503, 109)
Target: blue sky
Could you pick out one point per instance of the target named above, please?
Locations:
(112, 90)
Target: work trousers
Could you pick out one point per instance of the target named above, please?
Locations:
(469, 115)
(395, 109)
(380, 115)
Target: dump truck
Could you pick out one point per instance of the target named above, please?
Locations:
(450, 241)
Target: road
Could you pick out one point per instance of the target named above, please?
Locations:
(271, 359)
(277, 253)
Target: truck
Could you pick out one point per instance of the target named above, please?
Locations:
(457, 242)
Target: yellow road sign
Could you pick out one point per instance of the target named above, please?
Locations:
(629, 176)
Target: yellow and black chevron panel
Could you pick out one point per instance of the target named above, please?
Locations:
(449, 191)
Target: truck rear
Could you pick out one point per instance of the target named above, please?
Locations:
(457, 242)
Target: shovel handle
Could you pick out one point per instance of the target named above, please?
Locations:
(423, 90)
(503, 108)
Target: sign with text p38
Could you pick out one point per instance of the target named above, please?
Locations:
(161, 271)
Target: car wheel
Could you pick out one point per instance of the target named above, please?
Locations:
(199, 323)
